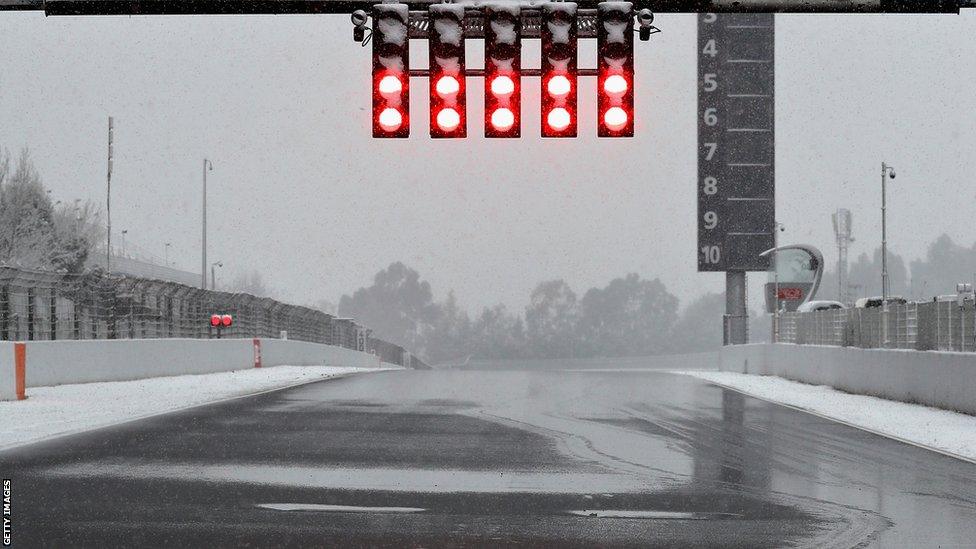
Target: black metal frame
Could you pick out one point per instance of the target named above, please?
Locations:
(282, 7)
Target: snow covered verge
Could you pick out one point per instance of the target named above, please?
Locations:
(949, 432)
(65, 409)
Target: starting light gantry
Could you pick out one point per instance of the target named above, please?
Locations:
(558, 26)
(503, 24)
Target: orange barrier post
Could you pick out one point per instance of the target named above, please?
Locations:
(257, 353)
(20, 370)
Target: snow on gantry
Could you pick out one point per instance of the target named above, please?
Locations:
(503, 25)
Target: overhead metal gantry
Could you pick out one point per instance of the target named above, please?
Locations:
(284, 7)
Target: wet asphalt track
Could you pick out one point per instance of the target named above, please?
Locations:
(489, 458)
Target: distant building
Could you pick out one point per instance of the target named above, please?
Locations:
(843, 223)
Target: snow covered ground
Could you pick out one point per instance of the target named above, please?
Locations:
(64, 409)
(948, 432)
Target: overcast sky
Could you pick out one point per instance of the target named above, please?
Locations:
(302, 193)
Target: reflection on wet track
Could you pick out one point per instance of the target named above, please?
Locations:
(491, 458)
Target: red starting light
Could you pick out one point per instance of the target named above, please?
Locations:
(391, 71)
(448, 120)
(448, 110)
(615, 119)
(226, 321)
(615, 84)
(390, 85)
(558, 119)
(503, 67)
(502, 120)
(615, 69)
(559, 86)
(502, 85)
(447, 86)
(559, 54)
(390, 120)
(215, 320)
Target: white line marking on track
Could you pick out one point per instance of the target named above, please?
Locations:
(337, 508)
(641, 514)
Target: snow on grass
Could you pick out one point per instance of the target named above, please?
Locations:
(64, 409)
(949, 432)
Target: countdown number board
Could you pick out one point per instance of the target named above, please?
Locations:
(736, 141)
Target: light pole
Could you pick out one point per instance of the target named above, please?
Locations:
(108, 200)
(124, 232)
(213, 273)
(166, 257)
(777, 228)
(886, 172)
(207, 166)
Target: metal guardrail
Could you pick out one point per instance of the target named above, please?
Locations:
(38, 305)
(925, 326)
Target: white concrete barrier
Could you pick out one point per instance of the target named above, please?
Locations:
(61, 362)
(302, 353)
(939, 379)
(86, 361)
(8, 371)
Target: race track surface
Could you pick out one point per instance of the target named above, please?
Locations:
(489, 458)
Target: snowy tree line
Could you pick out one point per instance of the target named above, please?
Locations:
(945, 264)
(36, 233)
(630, 316)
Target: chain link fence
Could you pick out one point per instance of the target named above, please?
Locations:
(926, 326)
(38, 305)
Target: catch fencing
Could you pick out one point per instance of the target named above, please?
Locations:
(924, 326)
(39, 305)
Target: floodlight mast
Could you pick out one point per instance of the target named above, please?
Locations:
(270, 7)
